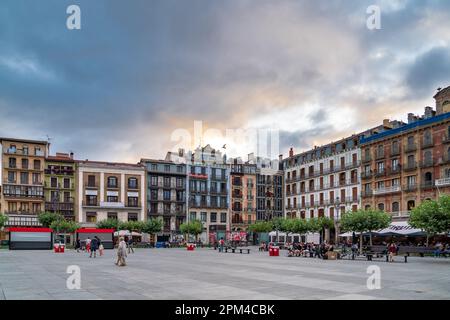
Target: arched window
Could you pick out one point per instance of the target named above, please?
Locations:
(395, 207)
(428, 158)
(427, 137)
(411, 205)
(410, 140)
(367, 207)
(381, 206)
(428, 177)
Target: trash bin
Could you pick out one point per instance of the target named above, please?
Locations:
(56, 247)
(190, 247)
(274, 251)
(61, 248)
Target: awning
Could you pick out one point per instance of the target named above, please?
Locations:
(400, 228)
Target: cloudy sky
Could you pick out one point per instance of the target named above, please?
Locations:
(140, 72)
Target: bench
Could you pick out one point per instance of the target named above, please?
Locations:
(233, 250)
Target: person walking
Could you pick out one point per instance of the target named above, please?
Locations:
(94, 247)
(121, 253)
(130, 245)
(221, 244)
(77, 245)
(100, 246)
(392, 251)
(88, 245)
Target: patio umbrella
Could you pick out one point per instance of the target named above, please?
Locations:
(121, 233)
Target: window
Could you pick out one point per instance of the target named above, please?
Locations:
(132, 202)
(166, 195)
(24, 177)
(180, 182)
(213, 217)
(394, 164)
(411, 204)
(154, 167)
(167, 182)
(411, 181)
(395, 182)
(154, 181)
(132, 217)
(380, 167)
(179, 169)
(11, 177)
(381, 206)
(395, 206)
(112, 199)
(167, 168)
(91, 200)
(153, 194)
(91, 217)
(53, 182)
(12, 163)
(54, 196)
(112, 215)
(410, 140)
(223, 217)
(203, 216)
(36, 177)
(112, 182)
(132, 183)
(428, 158)
(37, 164)
(67, 197)
(91, 181)
(24, 163)
(66, 183)
(192, 216)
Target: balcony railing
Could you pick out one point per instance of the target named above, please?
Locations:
(366, 193)
(380, 155)
(410, 187)
(367, 159)
(391, 189)
(427, 143)
(394, 170)
(366, 175)
(380, 173)
(427, 185)
(442, 182)
(395, 151)
(410, 166)
(427, 164)
(411, 147)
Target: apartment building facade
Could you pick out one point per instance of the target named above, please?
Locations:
(110, 190)
(404, 166)
(208, 185)
(22, 180)
(59, 185)
(243, 197)
(166, 195)
(269, 188)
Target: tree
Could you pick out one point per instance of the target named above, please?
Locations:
(432, 216)
(152, 226)
(3, 220)
(364, 221)
(261, 227)
(324, 223)
(64, 226)
(300, 226)
(47, 218)
(194, 228)
(108, 224)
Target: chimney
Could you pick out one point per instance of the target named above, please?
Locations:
(291, 152)
(428, 112)
(411, 118)
(386, 123)
(71, 155)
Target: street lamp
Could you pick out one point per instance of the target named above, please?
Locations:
(336, 221)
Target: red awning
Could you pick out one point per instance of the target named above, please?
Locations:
(94, 230)
(19, 229)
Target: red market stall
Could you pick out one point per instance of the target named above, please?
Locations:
(105, 235)
(30, 238)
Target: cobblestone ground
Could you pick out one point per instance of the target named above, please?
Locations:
(207, 274)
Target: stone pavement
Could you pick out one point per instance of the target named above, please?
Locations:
(206, 274)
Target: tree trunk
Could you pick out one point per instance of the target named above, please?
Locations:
(370, 237)
(428, 238)
(360, 243)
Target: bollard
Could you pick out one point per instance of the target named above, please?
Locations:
(406, 258)
(387, 257)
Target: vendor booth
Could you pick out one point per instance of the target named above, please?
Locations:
(30, 238)
(105, 235)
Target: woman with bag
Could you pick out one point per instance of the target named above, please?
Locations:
(121, 253)
(100, 246)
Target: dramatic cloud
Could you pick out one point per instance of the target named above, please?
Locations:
(138, 70)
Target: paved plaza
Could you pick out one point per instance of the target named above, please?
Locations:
(206, 274)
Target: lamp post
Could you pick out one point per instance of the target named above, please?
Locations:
(336, 221)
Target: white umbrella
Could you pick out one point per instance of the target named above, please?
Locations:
(401, 228)
(121, 233)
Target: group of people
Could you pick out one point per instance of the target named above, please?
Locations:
(93, 245)
(441, 250)
(311, 249)
(90, 246)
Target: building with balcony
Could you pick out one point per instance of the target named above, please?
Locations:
(208, 185)
(166, 195)
(269, 187)
(110, 190)
(406, 165)
(22, 180)
(59, 184)
(242, 195)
